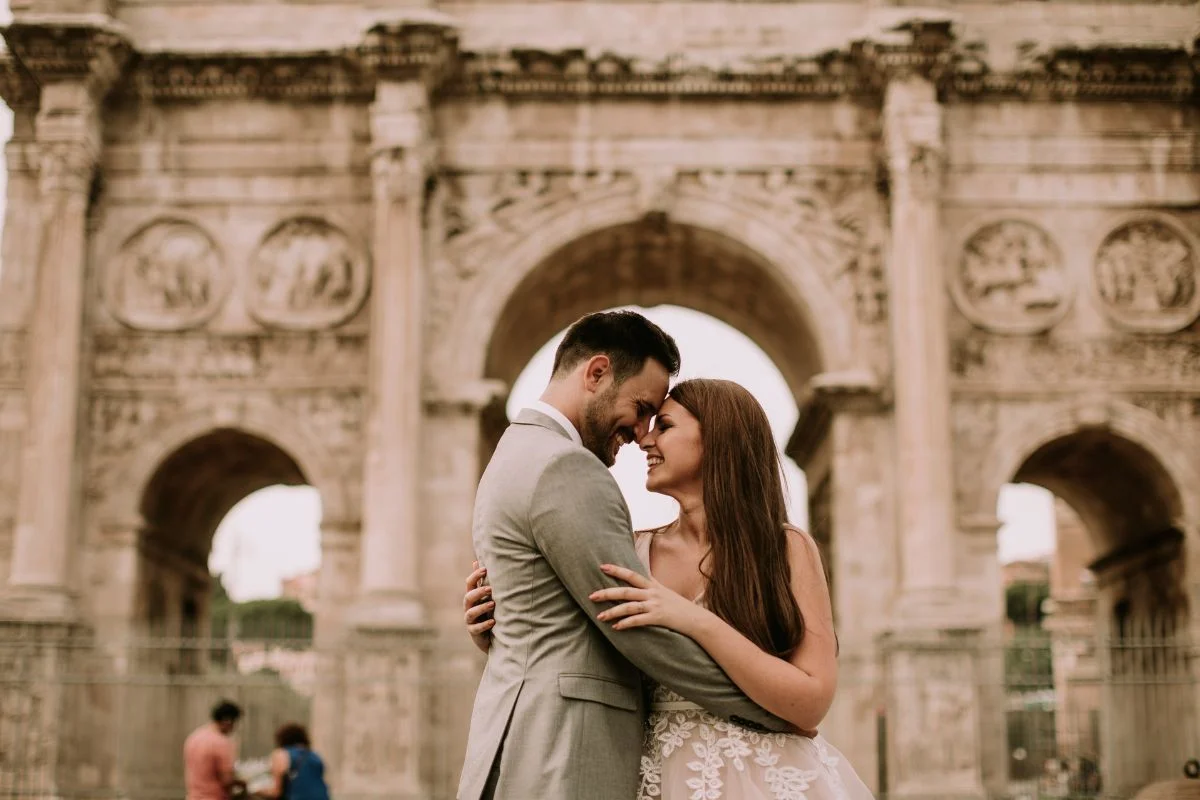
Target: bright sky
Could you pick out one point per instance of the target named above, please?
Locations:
(275, 533)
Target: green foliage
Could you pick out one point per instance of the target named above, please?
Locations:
(279, 619)
(1023, 603)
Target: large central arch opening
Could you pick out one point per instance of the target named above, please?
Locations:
(655, 262)
(1110, 625)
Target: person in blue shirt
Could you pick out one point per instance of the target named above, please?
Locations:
(299, 773)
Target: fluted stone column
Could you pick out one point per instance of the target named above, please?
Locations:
(933, 660)
(68, 142)
(920, 346)
(390, 588)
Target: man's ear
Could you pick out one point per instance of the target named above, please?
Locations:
(597, 368)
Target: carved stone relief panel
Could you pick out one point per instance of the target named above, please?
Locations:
(167, 276)
(934, 691)
(975, 428)
(334, 416)
(838, 217)
(1146, 276)
(1045, 365)
(326, 358)
(307, 274)
(382, 709)
(1010, 278)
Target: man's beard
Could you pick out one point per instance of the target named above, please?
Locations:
(597, 430)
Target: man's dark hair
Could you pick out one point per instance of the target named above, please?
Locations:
(292, 735)
(226, 711)
(626, 337)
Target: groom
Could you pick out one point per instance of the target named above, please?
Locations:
(560, 708)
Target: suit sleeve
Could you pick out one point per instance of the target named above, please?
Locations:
(580, 521)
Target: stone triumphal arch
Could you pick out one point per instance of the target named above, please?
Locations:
(316, 243)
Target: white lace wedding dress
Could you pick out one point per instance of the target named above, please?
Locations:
(690, 754)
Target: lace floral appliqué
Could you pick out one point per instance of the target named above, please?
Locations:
(705, 758)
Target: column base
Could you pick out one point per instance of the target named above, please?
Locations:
(37, 604)
(387, 612)
(385, 674)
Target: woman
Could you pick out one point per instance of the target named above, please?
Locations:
(298, 772)
(731, 574)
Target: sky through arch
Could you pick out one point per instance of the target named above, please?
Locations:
(710, 349)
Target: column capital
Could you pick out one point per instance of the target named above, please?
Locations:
(66, 167)
(912, 136)
(399, 173)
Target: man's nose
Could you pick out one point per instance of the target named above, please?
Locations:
(646, 439)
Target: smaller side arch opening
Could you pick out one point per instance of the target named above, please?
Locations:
(1116, 620)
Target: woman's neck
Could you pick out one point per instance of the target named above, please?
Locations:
(692, 523)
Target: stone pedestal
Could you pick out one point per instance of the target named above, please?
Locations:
(384, 677)
(37, 718)
(933, 681)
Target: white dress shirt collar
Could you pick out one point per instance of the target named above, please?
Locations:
(556, 415)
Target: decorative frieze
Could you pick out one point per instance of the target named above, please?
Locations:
(1060, 364)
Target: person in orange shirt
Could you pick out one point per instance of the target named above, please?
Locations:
(209, 756)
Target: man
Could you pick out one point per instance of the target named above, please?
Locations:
(560, 707)
(208, 756)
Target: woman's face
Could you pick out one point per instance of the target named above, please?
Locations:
(673, 450)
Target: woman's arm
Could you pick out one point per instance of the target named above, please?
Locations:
(280, 761)
(800, 689)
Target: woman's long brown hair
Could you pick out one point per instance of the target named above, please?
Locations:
(749, 576)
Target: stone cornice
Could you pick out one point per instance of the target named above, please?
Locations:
(428, 52)
(62, 51)
(1097, 74)
(298, 76)
(17, 87)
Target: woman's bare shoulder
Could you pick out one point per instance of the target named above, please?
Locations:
(803, 548)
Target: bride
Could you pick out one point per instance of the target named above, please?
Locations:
(750, 589)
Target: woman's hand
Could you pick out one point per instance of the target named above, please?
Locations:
(646, 602)
(477, 607)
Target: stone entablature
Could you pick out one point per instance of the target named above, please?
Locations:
(1149, 72)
